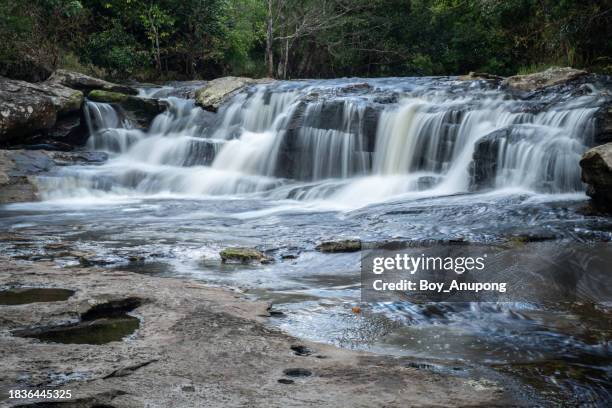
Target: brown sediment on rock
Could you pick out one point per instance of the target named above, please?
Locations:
(346, 245)
(242, 255)
(209, 341)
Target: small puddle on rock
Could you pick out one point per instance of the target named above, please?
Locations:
(22, 296)
(99, 331)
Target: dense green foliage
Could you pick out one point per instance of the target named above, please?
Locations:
(184, 39)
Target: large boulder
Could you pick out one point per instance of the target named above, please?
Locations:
(552, 76)
(218, 91)
(596, 166)
(27, 108)
(143, 110)
(86, 83)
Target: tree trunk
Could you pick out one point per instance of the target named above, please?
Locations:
(269, 39)
(286, 59)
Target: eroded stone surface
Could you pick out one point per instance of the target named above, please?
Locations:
(208, 341)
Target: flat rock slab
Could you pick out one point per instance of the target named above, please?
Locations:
(202, 346)
(85, 83)
(552, 76)
(218, 91)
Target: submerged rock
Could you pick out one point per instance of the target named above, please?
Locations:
(144, 110)
(596, 166)
(242, 255)
(552, 76)
(347, 245)
(86, 83)
(212, 95)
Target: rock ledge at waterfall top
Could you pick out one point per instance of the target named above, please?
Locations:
(216, 92)
(143, 110)
(550, 77)
(86, 83)
(596, 166)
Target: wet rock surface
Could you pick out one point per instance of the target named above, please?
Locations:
(142, 110)
(201, 346)
(242, 255)
(19, 170)
(347, 245)
(596, 166)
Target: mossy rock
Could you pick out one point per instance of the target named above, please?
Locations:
(347, 245)
(242, 255)
(98, 95)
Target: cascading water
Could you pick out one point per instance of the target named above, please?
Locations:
(285, 165)
(344, 141)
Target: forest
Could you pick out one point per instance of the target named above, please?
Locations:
(153, 40)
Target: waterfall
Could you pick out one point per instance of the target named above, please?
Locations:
(344, 140)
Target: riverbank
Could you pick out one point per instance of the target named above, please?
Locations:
(204, 346)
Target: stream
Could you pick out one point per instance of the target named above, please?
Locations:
(284, 166)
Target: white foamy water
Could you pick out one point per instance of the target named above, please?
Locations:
(314, 141)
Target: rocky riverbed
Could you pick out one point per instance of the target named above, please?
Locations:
(202, 346)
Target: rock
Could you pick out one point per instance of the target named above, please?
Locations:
(475, 76)
(17, 171)
(72, 158)
(552, 76)
(603, 125)
(26, 108)
(486, 154)
(241, 255)
(86, 83)
(347, 245)
(596, 166)
(484, 164)
(143, 110)
(20, 168)
(215, 340)
(216, 92)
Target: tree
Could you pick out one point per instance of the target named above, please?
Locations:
(158, 24)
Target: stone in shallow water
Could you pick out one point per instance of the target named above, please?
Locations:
(22, 296)
(347, 245)
(241, 255)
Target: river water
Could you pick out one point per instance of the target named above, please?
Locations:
(287, 165)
